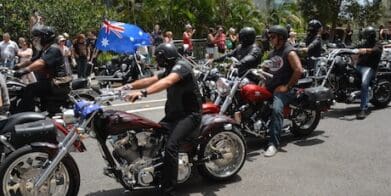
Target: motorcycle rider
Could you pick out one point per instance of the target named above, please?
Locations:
(313, 43)
(182, 109)
(247, 52)
(286, 70)
(47, 65)
(369, 57)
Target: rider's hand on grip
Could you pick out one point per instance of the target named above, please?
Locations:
(133, 96)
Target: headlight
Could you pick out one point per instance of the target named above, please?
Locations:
(222, 86)
(211, 85)
(244, 82)
(197, 74)
(124, 67)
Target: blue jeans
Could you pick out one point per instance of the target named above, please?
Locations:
(81, 67)
(276, 117)
(9, 63)
(367, 75)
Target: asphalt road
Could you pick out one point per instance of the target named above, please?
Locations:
(344, 156)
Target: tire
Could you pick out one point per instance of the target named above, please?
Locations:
(311, 120)
(381, 94)
(222, 138)
(103, 84)
(67, 171)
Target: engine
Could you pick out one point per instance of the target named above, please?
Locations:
(139, 155)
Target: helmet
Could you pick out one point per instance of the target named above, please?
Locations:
(45, 33)
(166, 54)
(369, 33)
(247, 36)
(279, 30)
(314, 26)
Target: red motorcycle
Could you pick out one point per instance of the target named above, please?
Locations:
(250, 104)
(217, 149)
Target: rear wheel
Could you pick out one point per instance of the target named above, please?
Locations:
(20, 169)
(226, 151)
(382, 94)
(304, 122)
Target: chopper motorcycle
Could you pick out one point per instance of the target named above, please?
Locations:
(344, 80)
(217, 149)
(250, 104)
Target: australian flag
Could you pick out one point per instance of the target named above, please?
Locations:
(121, 37)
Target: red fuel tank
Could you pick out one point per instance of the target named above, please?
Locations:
(253, 93)
(210, 108)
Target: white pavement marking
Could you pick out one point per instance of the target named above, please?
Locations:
(146, 109)
(138, 102)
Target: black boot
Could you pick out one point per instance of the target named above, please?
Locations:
(361, 115)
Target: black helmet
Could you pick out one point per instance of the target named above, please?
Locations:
(314, 26)
(46, 33)
(279, 30)
(166, 54)
(369, 33)
(247, 36)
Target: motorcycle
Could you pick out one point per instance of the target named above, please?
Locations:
(80, 89)
(250, 104)
(123, 69)
(217, 149)
(344, 80)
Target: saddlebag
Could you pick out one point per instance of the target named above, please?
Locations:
(318, 97)
(37, 131)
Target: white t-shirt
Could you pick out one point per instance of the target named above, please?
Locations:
(8, 50)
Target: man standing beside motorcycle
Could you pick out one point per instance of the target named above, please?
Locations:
(247, 52)
(182, 109)
(286, 69)
(313, 44)
(369, 57)
(48, 65)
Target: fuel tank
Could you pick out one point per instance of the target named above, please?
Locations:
(253, 93)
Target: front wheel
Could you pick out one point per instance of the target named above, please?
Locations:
(226, 152)
(382, 94)
(20, 169)
(304, 122)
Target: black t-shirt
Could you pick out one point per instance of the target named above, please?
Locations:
(184, 97)
(314, 45)
(371, 60)
(54, 62)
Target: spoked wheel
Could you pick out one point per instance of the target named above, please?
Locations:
(304, 122)
(20, 170)
(226, 151)
(382, 94)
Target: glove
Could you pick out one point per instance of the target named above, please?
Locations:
(20, 72)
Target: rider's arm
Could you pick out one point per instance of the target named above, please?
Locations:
(163, 83)
(140, 84)
(36, 65)
(311, 46)
(253, 58)
(222, 58)
(297, 68)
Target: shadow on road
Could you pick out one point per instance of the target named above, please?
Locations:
(196, 184)
(348, 113)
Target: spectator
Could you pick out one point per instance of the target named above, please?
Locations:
(157, 37)
(25, 53)
(80, 52)
(36, 20)
(168, 37)
(219, 40)
(187, 42)
(325, 35)
(8, 51)
(348, 35)
(382, 32)
(68, 42)
(292, 38)
(265, 39)
(91, 41)
(210, 46)
(232, 39)
(21, 40)
(66, 52)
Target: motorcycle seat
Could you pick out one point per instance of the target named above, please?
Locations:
(79, 83)
(8, 125)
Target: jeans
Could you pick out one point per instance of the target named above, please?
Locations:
(367, 75)
(81, 67)
(39, 89)
(8, 63)
(179, 131)
(276, 118)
